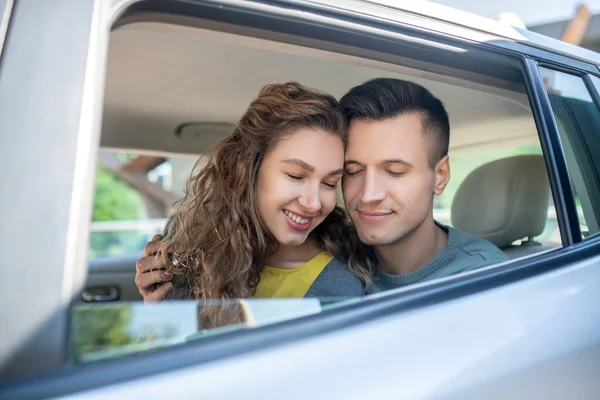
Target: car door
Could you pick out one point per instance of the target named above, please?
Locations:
(111, 279)
(519, 330)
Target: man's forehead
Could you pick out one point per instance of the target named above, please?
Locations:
(388, 138)
(404, 124)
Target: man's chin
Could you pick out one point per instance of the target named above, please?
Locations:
(372, 240)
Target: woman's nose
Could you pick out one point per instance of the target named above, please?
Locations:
(310, 200)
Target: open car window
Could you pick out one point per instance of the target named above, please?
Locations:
(174, 89)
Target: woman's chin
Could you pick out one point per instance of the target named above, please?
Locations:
(292, 239)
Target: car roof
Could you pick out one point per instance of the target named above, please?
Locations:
(451, 21)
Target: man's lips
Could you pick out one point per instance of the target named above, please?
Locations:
(374, 216)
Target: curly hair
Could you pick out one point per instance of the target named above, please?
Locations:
(220, 238)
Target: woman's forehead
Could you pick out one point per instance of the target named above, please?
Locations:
(318, 148)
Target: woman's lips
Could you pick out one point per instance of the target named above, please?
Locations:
(297, 221)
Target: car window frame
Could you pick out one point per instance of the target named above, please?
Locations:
(69, 380)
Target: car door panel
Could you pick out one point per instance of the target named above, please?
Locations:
(107, 274)
(533, 338)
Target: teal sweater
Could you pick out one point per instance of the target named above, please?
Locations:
(462, 253)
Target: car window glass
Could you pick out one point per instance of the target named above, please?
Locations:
(110, 330)
(578, 123)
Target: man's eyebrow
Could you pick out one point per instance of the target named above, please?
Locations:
(394, 161)
(299, 163)
(397, 161)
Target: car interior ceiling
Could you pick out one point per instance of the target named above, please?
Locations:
(160, 76)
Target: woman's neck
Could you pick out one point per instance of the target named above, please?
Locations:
(290, 257)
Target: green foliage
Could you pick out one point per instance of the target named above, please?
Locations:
(113, 199)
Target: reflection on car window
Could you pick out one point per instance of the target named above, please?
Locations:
(102, 331)
(578, 122)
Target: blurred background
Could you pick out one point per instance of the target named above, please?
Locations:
(575, 22)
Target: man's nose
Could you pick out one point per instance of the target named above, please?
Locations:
(372, 190)
(310, 199)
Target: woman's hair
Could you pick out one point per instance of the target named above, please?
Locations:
(216, 231)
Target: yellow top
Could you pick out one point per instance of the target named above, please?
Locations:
(291, 283)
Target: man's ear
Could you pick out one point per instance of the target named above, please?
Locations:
(442, 175)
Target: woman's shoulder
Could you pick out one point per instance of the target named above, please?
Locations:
(336, 280)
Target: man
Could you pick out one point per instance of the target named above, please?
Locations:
(396, 162)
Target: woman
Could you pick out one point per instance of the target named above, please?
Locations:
(260, 219)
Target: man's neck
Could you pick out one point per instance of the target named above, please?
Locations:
(414, 250)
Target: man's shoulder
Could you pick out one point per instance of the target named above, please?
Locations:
(336, 280)
(479, 248)
(338, 270)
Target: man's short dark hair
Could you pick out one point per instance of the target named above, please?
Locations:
(385, 98)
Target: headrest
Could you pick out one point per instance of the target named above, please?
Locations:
(504, 201)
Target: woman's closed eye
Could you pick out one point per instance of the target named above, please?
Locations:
(295, 177)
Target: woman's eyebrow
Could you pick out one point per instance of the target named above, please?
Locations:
(308, 167)
(299, 163)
